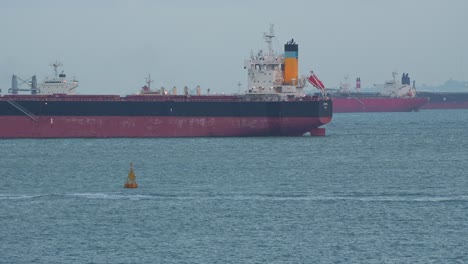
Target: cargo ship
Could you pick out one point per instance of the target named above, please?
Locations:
(273, 105)
(445, 100)
(394, 96)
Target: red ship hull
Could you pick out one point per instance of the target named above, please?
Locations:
(355, 104)
(146, 127)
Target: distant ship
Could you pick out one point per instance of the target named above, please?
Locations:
(452, 94)
(273, 105)
(445, 100)
(394, 96)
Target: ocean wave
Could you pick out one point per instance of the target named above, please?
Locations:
(240, 196)
(273, 197)
(109, 196)
(17, 196)
(397, 198)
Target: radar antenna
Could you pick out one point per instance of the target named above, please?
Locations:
(149, 81)
(56, 64)
(268, 39)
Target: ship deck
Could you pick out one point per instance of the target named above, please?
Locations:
(150, 98)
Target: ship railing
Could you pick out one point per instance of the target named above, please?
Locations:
(181, 98)
(22, 109)
(311, 98)
(62, 97)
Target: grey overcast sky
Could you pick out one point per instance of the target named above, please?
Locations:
(111, 46)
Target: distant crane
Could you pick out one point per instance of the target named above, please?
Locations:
(15, 86)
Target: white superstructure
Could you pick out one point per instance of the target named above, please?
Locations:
(395, 88)
(345, 86)
(266, 72)
(58, 84)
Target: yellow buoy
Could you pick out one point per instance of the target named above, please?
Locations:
(131, 183)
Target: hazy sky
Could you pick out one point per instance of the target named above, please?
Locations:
(111, 46)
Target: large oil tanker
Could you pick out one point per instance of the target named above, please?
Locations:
(394, 96)
(273, 105)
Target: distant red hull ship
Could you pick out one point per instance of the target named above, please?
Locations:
(360, 104)
(395, 97)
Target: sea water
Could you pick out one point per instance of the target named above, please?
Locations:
(379, 188)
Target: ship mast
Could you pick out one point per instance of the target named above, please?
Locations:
(149, 81)
(56, 65)
(268, 39)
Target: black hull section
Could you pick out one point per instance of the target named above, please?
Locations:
(167, 108)
(444, 96)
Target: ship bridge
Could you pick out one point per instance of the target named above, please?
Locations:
(273, 73)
